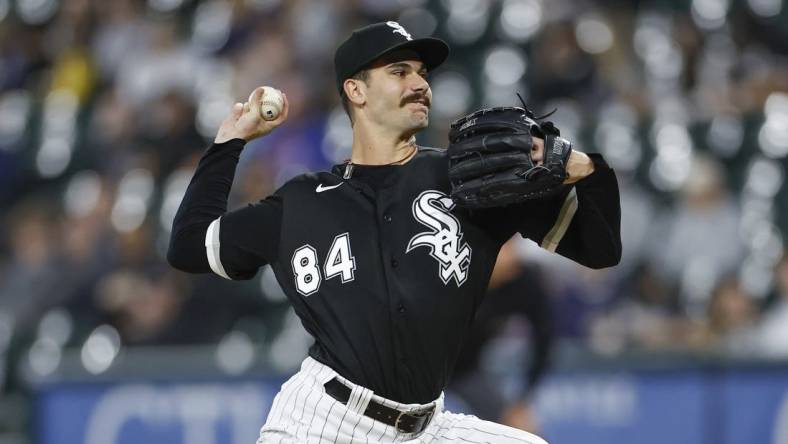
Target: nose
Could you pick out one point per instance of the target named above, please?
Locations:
(419, 84)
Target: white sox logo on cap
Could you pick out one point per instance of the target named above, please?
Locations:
(398, 29)
(374, 41)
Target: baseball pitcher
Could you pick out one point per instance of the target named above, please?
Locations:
(385, 258)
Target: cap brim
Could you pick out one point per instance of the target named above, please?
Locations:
(432, 52)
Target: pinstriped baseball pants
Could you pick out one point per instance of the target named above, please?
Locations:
(302, 413)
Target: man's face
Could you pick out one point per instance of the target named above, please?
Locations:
(398, 95)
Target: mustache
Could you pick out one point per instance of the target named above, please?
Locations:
(413, 98)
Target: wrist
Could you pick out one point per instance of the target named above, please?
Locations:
(224, 138)
(579, 166)
(234, 141)
(588, 166)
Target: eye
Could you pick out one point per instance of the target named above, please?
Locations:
(399, 73)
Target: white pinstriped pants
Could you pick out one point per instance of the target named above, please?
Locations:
(302, 413)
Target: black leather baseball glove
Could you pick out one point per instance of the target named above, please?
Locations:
(490, 162)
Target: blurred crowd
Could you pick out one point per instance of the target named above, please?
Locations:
(106, 106)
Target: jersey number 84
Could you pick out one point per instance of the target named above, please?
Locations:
(339, 262)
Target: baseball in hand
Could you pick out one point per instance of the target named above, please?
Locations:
(272, 104)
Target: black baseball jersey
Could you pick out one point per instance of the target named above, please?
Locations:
(383, 269)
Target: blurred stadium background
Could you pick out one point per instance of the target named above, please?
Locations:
(106, 105)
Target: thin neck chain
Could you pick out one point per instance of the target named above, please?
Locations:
(349, 165)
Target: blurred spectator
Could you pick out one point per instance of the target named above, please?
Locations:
(647, 317)
(700, 237)
(566, 71)
(119, 33)
(31, 276)
(86, 244)
(163, 64)
(637, 224)
(167, 130)
(578, 294)
(773, 329)
(731, 321)
(147, 309)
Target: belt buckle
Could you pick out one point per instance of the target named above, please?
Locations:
(396, 422)
(425, 413)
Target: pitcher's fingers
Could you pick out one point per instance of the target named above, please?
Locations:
(256, 98)
(537, 150)
(237, 110)
(285, 110)
(235, 114)
(246, 107)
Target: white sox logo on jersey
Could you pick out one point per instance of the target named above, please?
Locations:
(432, 209)
(398, 29)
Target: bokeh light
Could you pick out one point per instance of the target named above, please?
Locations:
(82, 193)
(211, 25)
(235, 353)
(593, 34)
(5, 7)
(504, 65)
(451, 93)
(165, 5)
(520, 19)
(710, 14)
(44, 356)
(467, 21)
(36, 12)
(15, 107)
(726, 134)
(766, 8)
(773, 136)
(100, 349)
(131, 204)
(419, 21)
(338, 138)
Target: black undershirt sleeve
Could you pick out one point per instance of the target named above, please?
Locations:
(250, 237)
(588, 233)
(245, 239)
(593, 237)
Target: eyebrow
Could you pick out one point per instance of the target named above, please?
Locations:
(406, 65)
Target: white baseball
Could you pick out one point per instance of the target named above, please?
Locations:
(272, 104)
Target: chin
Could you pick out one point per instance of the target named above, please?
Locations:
(416, 127)
(420, 121)
(413, 123)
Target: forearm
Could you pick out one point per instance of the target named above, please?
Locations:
(578, 167)
(594, 236)
(205, 200)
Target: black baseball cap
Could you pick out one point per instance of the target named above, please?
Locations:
(367, 44)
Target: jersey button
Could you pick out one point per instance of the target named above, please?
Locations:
(401, 308)
(387, 217)
(394, 263)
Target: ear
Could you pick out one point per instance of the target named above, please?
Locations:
(355, 90)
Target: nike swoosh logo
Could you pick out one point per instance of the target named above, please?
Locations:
(320, 188)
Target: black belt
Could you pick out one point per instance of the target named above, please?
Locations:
(414, 421)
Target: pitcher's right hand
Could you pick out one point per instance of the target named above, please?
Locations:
(245, 121)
